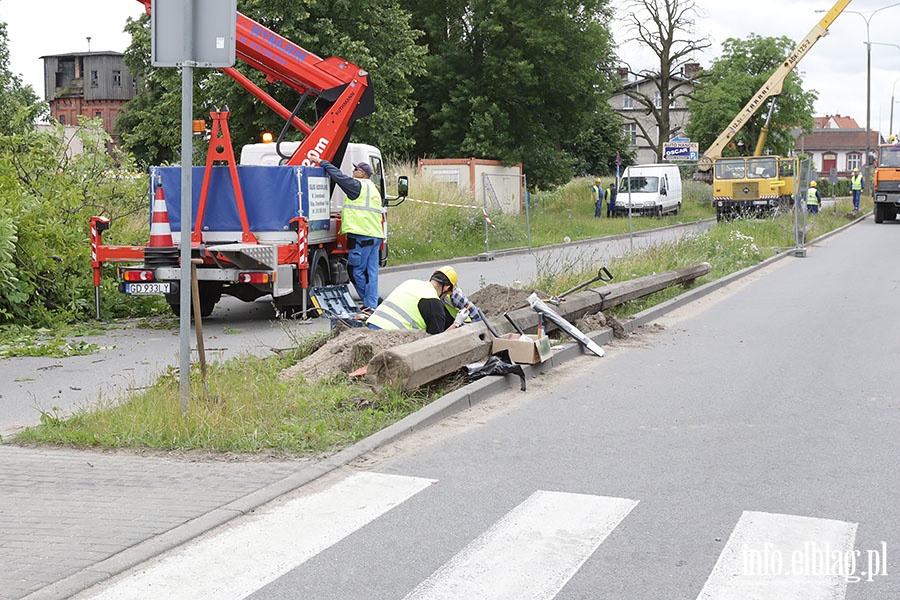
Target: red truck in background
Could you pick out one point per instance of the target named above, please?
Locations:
(887, 182)
(269, 226)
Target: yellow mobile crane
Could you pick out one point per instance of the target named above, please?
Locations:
(757, 184)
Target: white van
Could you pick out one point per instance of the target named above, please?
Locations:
(650, 190)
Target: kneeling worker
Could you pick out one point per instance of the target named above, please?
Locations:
(417, 304)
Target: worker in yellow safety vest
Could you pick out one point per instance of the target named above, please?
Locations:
(361, 221)
(856, 187)
(417, 304)
(597, 195)
(813, 198)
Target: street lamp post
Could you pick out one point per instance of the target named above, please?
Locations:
(867, 17)
(891, 126)
(891, 121)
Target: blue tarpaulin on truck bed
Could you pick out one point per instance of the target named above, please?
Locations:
(273, 195)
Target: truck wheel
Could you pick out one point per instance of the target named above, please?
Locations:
(210, 294)
(879, 212)
(891, 214)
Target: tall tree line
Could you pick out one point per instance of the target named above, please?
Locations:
(513, 80)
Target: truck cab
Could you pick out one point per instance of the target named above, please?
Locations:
(887, 183)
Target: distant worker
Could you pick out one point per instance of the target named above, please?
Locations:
(417, 304)
(813, 198)
(361, 220)
(856, 187)
(597, 195)
(611, 199)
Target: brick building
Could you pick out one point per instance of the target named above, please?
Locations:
(93, 84)
(837, 142)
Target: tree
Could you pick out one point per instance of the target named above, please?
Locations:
(19, 105)
(730, 83)
(376, 36)
(666, 28)
(513, 80)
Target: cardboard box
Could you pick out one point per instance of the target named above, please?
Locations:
(527, 349)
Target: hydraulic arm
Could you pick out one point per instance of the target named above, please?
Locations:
(343, 91)
(772, 86)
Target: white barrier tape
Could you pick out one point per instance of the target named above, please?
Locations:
(472, 206)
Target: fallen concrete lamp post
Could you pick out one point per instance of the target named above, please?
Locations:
(417, 363)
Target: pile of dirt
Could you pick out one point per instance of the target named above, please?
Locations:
(495, 300)
(598, 321)
(349, 349)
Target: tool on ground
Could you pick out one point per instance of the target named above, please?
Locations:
(336, 303)
(602, 275)
(542, 309)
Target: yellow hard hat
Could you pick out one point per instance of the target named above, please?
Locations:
(813, 184)
(856, 170)
(598, 180)
(449, 273)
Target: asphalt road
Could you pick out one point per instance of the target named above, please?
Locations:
(745, 449)
(131, 357)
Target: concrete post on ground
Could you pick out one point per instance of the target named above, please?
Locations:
(413, 365)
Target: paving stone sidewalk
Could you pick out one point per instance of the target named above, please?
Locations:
(64, 512)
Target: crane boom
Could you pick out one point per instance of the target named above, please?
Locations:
(342, 89)
(772, 86)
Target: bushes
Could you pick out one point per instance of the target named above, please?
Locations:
(46, 201)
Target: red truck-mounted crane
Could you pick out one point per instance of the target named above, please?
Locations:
(269, 226)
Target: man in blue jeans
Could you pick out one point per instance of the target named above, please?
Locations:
(361, 220)
(856, 187)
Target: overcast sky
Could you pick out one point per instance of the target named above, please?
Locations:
(835, 67)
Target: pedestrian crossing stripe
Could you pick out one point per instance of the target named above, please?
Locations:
(530, 553)
(234, 563)
(772, 556)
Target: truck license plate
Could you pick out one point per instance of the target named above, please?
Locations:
(147, 289)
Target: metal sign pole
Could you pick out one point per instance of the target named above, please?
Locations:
(179, 39)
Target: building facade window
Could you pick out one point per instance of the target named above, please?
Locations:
(98, 114)
(631, 134)
(657, 99)
(95, 79)
(117, 78)
(627, 102)
(62, 121)
(854, 161)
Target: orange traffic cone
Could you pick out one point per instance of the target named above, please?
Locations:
(160, 232)
(161, 250)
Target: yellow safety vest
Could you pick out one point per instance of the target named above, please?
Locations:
(400, 310)
(856, 182)
(811, 197)
(597, 192)
(362, 215)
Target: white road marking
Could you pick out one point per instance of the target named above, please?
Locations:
(784, 557)
(531, 552)
(242, 559)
